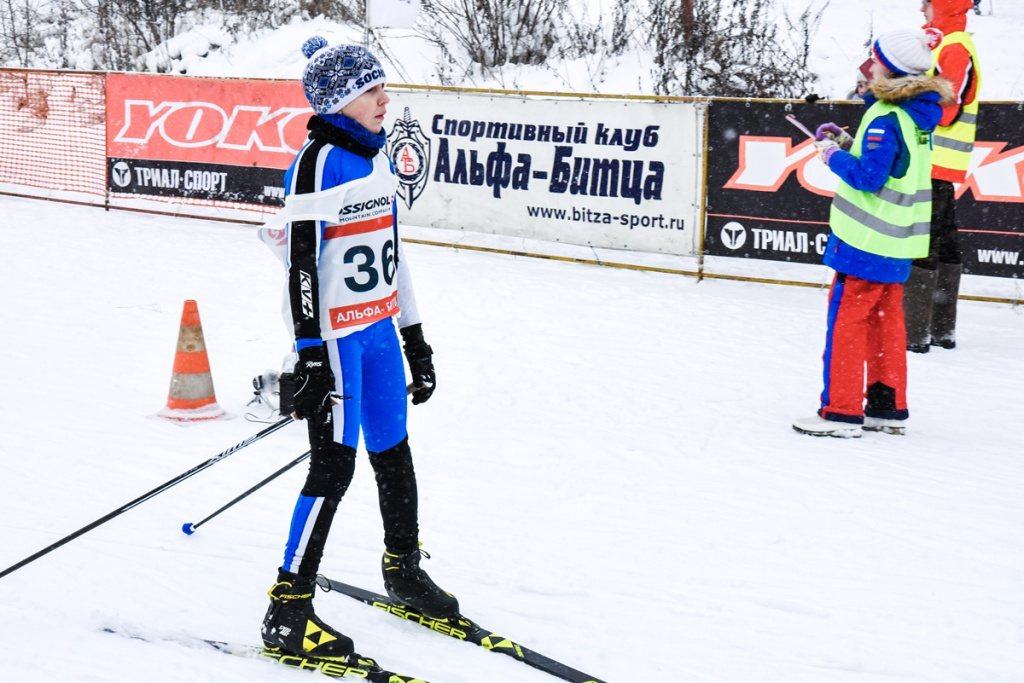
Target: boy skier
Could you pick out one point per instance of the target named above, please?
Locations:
(347, 277)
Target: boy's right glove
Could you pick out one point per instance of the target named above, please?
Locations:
(419, 353)
(314, 381)
(834, 133)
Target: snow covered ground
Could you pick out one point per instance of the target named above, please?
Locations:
(838, 48)
(607, 474)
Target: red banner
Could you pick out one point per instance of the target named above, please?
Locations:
(208, 120)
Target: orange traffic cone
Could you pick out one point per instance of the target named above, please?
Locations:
(191, 395)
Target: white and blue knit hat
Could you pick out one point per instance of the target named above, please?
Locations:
(337, 75)
(907, 51)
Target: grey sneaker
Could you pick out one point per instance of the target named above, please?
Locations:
(880, 424)
(819, 426)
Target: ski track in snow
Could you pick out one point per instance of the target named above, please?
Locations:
(607, 474)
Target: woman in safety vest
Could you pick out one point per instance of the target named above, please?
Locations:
(930, 295)
(880, 220)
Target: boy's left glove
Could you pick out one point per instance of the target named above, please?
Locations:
(314, 382)
(419, 354)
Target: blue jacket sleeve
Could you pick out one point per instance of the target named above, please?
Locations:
(881, 154)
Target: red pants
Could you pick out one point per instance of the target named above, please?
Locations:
(865, 327)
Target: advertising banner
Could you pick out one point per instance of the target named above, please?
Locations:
(203, 138)
(990, 204)
(768, 195)
(598, 172)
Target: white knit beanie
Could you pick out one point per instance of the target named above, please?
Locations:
(337, 75)
(906, 51)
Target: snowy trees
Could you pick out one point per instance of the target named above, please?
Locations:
(498, 32)
(133, 35)
(18, 39)
(87, 34)
(729, 48)
(740, 48)
(744, 48)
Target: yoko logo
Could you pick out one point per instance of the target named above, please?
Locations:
(121, 174)
(202, 124)
(409, 149)
(733, 235)
(766, 162)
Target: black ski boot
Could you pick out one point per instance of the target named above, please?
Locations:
(409, 585)
(947, 290)
(292, 626)
(918, 296)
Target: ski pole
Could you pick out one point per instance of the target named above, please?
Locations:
(792, 119)
(190, 528)
(158, 490)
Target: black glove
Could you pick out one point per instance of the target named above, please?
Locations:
(314, 382)
(418, 353)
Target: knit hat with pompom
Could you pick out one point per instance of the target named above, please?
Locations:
(907, 51)
(337, 75)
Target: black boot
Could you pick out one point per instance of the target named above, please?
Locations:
(292, 626)
(409, 585)
(947, 289)
(917, 308)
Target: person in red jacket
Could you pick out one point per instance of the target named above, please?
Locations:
(930, 294)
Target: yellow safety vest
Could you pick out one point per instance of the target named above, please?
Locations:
(894, 221)
(953, 144)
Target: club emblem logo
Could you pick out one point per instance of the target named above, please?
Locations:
(409, 149)
(121, 174)
(733, 235)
